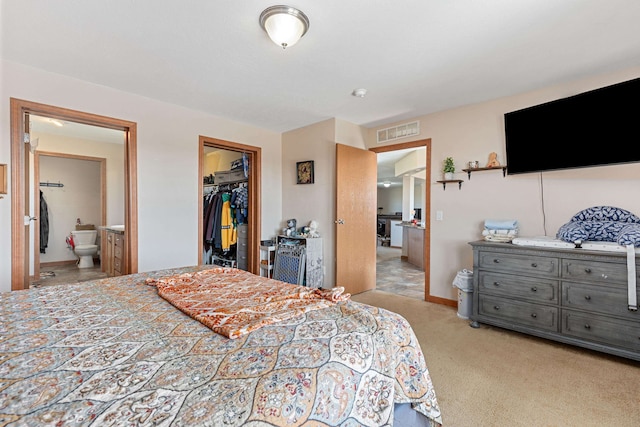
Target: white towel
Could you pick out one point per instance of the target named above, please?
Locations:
(494, 224)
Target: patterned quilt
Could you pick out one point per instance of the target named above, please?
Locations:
(113, 353)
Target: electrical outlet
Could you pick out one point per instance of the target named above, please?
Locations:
(439, 215)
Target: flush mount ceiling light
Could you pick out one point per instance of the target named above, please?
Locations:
(285, 25)
(360, 93)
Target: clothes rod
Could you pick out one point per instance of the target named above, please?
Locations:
(51, 184)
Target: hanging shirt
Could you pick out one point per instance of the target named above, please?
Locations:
(227, 229)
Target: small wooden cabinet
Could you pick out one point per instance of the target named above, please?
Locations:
(114, 257)
(414, 238)
(574, 296)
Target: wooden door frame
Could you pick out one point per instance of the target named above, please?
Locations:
(19, 108)
(425, 215)
(254, 190)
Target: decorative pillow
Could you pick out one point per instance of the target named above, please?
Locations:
(603, 231)
(572, 232)
(605, 213)
(602, 224)
(629, 235)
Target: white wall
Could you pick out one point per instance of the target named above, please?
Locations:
(167, 162)
(390, 200)
(114, 158)
(541, 202)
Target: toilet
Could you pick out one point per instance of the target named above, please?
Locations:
(85, 246)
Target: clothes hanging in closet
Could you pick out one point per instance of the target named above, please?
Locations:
(44, 224)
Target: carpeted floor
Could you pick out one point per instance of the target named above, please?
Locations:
(493, 377)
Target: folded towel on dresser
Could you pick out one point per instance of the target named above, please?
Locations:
(506, 224)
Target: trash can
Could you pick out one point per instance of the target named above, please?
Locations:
(464, 283)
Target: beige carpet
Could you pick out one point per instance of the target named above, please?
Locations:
(493, 377)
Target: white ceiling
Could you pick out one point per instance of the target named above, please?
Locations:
(414, 57)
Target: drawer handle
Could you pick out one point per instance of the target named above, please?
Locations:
(604, 276)
(534, 315)
(534, 289)
(496, 260)
(587, 270)
(534, 265)
(587, 326)
(496, 307)
(587, 297)
(496, 283)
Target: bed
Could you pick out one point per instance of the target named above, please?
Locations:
(113, 352)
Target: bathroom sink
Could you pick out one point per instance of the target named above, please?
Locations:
(117, 227)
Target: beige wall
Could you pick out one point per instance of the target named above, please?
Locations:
(306, 202)
(541, 202)
(167, 161)
(167, 171)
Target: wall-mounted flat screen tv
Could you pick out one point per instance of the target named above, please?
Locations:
(595, 128)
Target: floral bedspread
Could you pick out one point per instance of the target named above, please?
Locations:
(113, 353)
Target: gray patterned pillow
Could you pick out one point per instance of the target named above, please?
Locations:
(629, 235)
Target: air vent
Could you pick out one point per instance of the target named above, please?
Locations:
(397, 132)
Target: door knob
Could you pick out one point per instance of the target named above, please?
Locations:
(340, 221)
(28, 219)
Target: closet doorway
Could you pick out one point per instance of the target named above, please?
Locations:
(228, 149)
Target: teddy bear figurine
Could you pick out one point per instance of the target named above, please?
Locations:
(313, 229)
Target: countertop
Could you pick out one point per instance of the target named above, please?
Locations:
(113, 228)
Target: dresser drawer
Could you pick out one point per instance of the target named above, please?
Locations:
(523, 313)
(508, 285)
(242, 248)
(520, 264)
(594, 271)
(598, 298)
(615, 332)
(243, 231)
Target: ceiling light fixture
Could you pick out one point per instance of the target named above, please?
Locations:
(285, 25)
(387, 184)
(360, 93)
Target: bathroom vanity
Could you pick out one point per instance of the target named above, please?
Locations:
(113, 258)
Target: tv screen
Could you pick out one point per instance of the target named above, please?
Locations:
(595, 128)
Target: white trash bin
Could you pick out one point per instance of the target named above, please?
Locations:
(464, 283)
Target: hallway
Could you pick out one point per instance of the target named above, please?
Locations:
(396, 276)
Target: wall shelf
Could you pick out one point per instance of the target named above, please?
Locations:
(468, 171)
(444, 183)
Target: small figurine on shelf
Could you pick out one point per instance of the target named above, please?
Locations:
(313, 229)
(493, 160)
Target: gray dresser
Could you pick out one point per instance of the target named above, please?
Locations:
(574, 296)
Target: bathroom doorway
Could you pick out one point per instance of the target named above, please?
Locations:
(22, 178)
(69, 190)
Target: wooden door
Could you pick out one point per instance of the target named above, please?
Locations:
(355, 222)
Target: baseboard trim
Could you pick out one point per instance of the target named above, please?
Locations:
(55, 263)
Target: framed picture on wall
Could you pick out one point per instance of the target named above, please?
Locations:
(304, 172)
